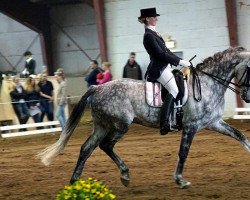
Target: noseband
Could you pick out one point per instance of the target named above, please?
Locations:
(247, 78)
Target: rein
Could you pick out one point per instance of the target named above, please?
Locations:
(196, 82)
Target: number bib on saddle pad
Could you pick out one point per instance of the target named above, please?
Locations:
(153, 94)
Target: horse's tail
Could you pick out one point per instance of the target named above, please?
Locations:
(49, 153)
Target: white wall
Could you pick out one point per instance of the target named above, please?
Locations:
(15, 38)
(199, 27)
(78, 21)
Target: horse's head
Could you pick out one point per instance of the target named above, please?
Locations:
(242, 73)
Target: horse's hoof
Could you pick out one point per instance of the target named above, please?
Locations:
(184, 184)
(125, 181)
(247, 146)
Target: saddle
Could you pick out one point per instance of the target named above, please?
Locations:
(156, 93)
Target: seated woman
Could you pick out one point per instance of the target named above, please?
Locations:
(105, 76)
(18, 98)
(33, 99)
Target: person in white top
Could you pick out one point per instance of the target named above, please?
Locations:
(61, 97)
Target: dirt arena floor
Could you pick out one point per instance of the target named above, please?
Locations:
(217, 166)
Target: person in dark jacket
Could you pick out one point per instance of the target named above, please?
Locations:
(159, 68)
(47, 97)
(91, 77)
(132, 69)
(18, 98)
(30, 64)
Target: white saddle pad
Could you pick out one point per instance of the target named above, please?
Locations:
(153, 94)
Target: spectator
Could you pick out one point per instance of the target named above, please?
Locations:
(91, 77)
(132, 69)
(61, 98)
(30, 64)
(33, 99)
(105, 76)
(18, 97)
(47, 98)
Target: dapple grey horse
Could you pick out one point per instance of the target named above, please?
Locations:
(117, 104)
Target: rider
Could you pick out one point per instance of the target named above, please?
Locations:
(159, 68)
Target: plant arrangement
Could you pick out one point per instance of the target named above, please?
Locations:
(90, 189)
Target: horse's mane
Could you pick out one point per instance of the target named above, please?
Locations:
(218, 57)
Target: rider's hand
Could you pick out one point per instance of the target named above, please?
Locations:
(184, 63)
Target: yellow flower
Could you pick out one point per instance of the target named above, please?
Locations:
(112, 196)
(67, 196)
(87, 186)
(101, 195)
(68, 187)
(88, 189)
(78, 187)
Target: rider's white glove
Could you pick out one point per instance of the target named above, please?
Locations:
(184, 63)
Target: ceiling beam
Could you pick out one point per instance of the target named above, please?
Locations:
(89, 2)
(233, 33)
(232, 22)
(101, 27)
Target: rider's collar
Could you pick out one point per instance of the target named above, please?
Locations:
(151, 28)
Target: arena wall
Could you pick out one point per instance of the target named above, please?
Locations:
(78, 21)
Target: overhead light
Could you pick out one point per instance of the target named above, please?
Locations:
(170, 43)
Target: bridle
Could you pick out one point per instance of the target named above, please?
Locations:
(197, 87)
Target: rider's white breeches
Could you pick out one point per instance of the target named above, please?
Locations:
(168, 81)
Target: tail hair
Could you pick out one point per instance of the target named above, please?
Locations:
(48, 154)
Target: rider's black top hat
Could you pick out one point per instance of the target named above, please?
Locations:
(148, 12)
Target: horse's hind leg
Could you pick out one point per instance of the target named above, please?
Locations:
(86, 149)
(226, 129)
(107, 146)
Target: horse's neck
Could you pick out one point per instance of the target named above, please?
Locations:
(217, 85)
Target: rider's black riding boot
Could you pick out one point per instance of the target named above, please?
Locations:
(167, 108)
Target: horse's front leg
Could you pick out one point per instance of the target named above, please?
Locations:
(224, 128)
(186, 141)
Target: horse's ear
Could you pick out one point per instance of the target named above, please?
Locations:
(245, 54)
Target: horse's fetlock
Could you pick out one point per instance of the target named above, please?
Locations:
(124, 169)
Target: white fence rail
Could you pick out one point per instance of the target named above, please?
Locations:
(43, 125)
(245, 113)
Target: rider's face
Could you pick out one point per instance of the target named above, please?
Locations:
(152, 21)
